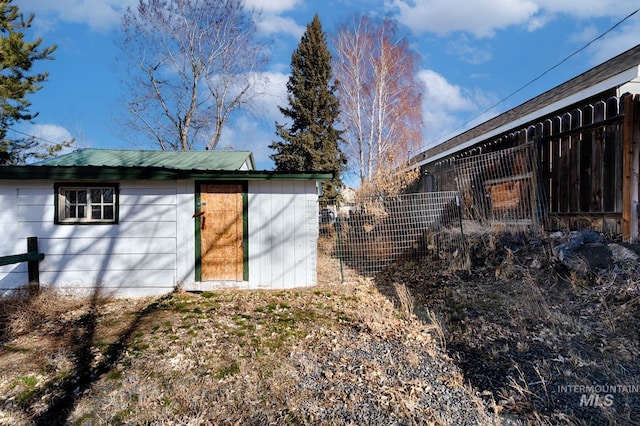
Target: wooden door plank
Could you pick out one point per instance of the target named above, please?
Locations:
(222, 233)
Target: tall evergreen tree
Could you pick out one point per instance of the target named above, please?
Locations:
(311, 142)
(16, 82)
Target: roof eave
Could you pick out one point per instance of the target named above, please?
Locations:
(32, 172)
(614, 82)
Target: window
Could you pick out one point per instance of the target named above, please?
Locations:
(87, 204)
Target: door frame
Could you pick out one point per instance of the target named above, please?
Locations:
(245, 226)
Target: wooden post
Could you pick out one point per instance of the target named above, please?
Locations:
(33, 265)
(630, 167)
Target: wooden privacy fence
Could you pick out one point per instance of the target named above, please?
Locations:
(32, 257)
(588, 159)
(584, 175)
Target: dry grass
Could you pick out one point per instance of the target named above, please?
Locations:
(335, 354)
(528, 332)
(414, 346)
(405, 299)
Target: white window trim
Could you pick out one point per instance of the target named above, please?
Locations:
(60, 191)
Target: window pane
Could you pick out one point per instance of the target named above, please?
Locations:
(96, 195)
(108, 212)
(107, 195)
(91, 204)
(96, 212)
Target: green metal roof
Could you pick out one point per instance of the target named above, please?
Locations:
(102, 164)
(174, 160)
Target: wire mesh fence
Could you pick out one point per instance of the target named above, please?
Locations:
(497, 192)
(502, 188)
(370, 234)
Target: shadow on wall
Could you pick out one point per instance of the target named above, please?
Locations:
(13, 277)
(135, 256)
(278, 240)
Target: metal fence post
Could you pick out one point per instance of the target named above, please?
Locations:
(337, 226)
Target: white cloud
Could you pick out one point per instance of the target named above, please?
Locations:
(586, 8)
(254, 130)
(270, 21)
(271, 92)
(49, 133)
(245, 134)
(615, 43)
(99, 15)
(471, 54)
(484, 18)
(480, 18)
(538, 21)
(272, 6)
(274, 24)
(446, 107)
(438, 91)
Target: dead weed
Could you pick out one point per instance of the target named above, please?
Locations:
(545, 342)
(336, 354)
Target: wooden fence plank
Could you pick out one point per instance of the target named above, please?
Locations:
(565, 166)
(596, 164)
(585, 161)
(574, 162)
(630, 168)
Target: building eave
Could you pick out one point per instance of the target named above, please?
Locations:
(620, 83)
(44, 172)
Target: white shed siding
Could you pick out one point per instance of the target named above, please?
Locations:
(137, 256)
(283, 233)
(10, 275)
(152, 248)
(185, 232)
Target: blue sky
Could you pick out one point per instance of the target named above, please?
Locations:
(472, 55)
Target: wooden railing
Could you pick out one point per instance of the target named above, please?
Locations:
(32, 257)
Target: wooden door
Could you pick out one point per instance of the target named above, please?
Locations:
(221, 232)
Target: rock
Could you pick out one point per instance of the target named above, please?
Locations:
(535, 264)
(622, 254)
(591, 237)
(566, 252)
(558, 235)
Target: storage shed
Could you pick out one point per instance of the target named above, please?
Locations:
(136, 223)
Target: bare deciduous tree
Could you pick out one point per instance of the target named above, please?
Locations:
(380, 100)
(191, 64)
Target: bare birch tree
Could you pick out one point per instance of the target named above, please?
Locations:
(191, 64)
(380, 100)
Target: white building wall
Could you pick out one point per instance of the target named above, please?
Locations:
(152, 248)
(283, 230)
(136, 257)
(16, 274)
(185, 228)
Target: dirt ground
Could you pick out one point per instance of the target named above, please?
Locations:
(337, 354)
(540, 330)
(546, 328)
